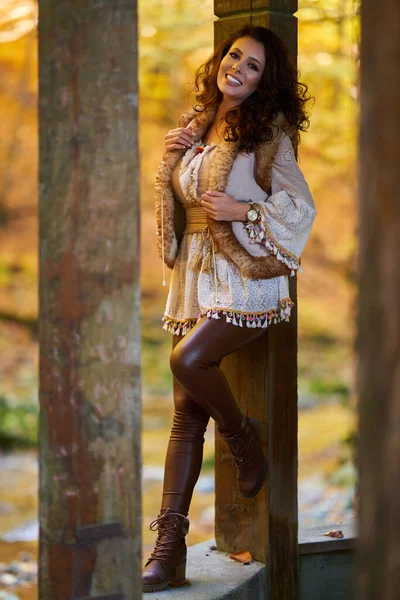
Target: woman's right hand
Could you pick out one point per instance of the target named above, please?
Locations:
(178, 139)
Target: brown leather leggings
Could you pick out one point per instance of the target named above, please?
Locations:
(200, 391)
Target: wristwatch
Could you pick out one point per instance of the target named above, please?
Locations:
(252, 214)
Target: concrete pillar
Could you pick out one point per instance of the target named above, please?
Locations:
(378, 341)
(89, 332)
(263, 376)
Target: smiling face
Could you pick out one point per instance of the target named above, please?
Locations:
(241, 69)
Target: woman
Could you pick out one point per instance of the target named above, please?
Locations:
(233, 215)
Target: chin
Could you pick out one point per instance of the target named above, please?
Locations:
(229, 90)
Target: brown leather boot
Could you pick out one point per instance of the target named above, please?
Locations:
(167, 563)
(246, 450)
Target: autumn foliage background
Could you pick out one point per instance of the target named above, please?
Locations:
(175, 37)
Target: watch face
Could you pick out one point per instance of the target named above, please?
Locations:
(252, 214)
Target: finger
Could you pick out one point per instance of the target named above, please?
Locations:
(175, 147)
(172, 134)
(183, 142)
(178, 140)
(179, 130)
(209, 197)
(208, 204)
(177, 137)
(187, 134)
(209, 209)
(187, 143)
(186, 139)
(188, 130)
(211, 213)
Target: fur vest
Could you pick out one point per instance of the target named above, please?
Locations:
(170, 215)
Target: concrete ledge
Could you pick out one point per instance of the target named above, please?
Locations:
(217, 576)
(327, 575)
(326, 570)
(312, 540)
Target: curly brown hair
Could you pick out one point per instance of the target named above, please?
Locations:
(278, 91)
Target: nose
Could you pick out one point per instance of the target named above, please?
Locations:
(235, 68)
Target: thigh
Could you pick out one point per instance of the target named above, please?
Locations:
(183, 401)
(210, 340)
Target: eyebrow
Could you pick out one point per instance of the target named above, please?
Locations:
(252, 57)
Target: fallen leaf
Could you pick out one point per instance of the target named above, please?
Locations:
(335, 533)
(242, 556)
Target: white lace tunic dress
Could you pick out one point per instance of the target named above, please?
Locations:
(225, 292)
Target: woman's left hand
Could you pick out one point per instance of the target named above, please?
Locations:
(222, 207)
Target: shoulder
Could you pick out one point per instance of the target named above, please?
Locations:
(285, 152)
(281, 148)
(287, 135)
(274, 152)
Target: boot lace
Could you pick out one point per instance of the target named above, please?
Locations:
(240, 448)
(166, 525)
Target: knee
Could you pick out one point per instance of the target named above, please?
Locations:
(184, 403)
(187, 408)
(179, 362)
(189, 424)
(184, 361)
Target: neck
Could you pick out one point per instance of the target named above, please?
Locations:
(226, 104)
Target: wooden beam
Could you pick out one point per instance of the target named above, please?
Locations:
(89, 332)
(277, 15)
(263, 377)
(378, 341)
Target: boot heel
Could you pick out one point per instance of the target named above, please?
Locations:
(260, 428)
(177, 575)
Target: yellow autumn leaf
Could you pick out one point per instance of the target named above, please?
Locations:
(335, 533)
(242, 556)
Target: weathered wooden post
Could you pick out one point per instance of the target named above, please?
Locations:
(90, 407)
(263, 377)
(378, 343)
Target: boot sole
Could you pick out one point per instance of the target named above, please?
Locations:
(264, 473)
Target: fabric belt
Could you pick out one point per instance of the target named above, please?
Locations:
(196, 219)
(196, 222)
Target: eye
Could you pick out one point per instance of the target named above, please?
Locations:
(250, 64)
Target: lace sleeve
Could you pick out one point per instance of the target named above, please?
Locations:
(286, 216)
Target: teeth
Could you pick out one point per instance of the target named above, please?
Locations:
(233, 79)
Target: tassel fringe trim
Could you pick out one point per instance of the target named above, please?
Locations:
(261, 234)
(238, 318)
(178, 327)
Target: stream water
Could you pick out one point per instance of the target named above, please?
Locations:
(319, 503)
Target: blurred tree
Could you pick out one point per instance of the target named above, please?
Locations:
(377, 566)
(327, 58)
(173, 36)
(89, 290)
(17, 20)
